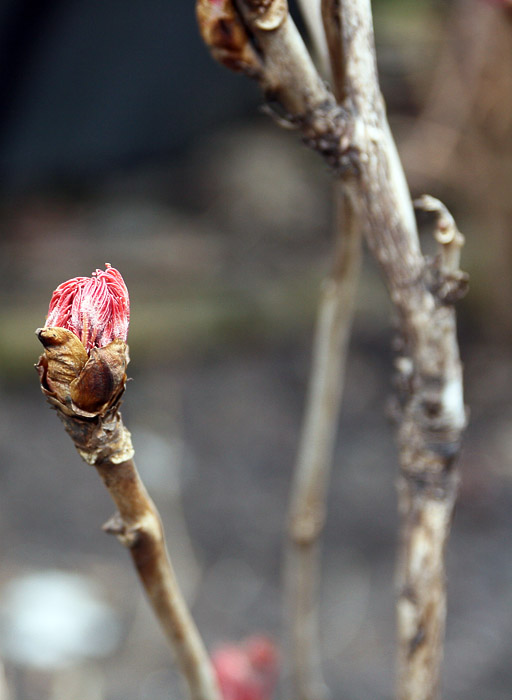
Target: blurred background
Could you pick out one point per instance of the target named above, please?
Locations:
(121, 141)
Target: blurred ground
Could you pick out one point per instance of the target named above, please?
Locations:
(223, 248)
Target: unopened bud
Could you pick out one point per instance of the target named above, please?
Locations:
(96, 309)
(247, 670)
(84, 364)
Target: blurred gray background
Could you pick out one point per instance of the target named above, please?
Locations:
(121, 141)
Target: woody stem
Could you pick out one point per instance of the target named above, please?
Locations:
(315, 454)
(104, 442)
(138, 526)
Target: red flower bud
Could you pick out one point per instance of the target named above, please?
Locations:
(248, 670)
(96, 309)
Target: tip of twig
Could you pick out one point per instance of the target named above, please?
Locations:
(446, 233)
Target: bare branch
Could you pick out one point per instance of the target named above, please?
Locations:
(312, 15)
(355, 139)
(139, 528)
(433, 415)
(316, 446)
(315, 453)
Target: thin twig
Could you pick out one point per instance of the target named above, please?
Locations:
(312, 16)
(315, 453)
(138, 527)
(316, 445)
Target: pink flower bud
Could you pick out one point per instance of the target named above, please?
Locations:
(248, 670)
(96, 309)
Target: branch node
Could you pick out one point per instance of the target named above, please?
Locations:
(328, 129)
(448, 286)
(128, 536)
(114, 525)
(306, 526)
(431, 484)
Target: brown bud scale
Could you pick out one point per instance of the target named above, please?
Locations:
(225, 35)
(86, 391)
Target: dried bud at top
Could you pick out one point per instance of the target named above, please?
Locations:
(96, 309)
(223, 32)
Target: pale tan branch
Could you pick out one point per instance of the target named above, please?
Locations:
(431, 425)
(139, 528)
(316, 446)
(312, 15)
(433, 415)
(315, 452)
